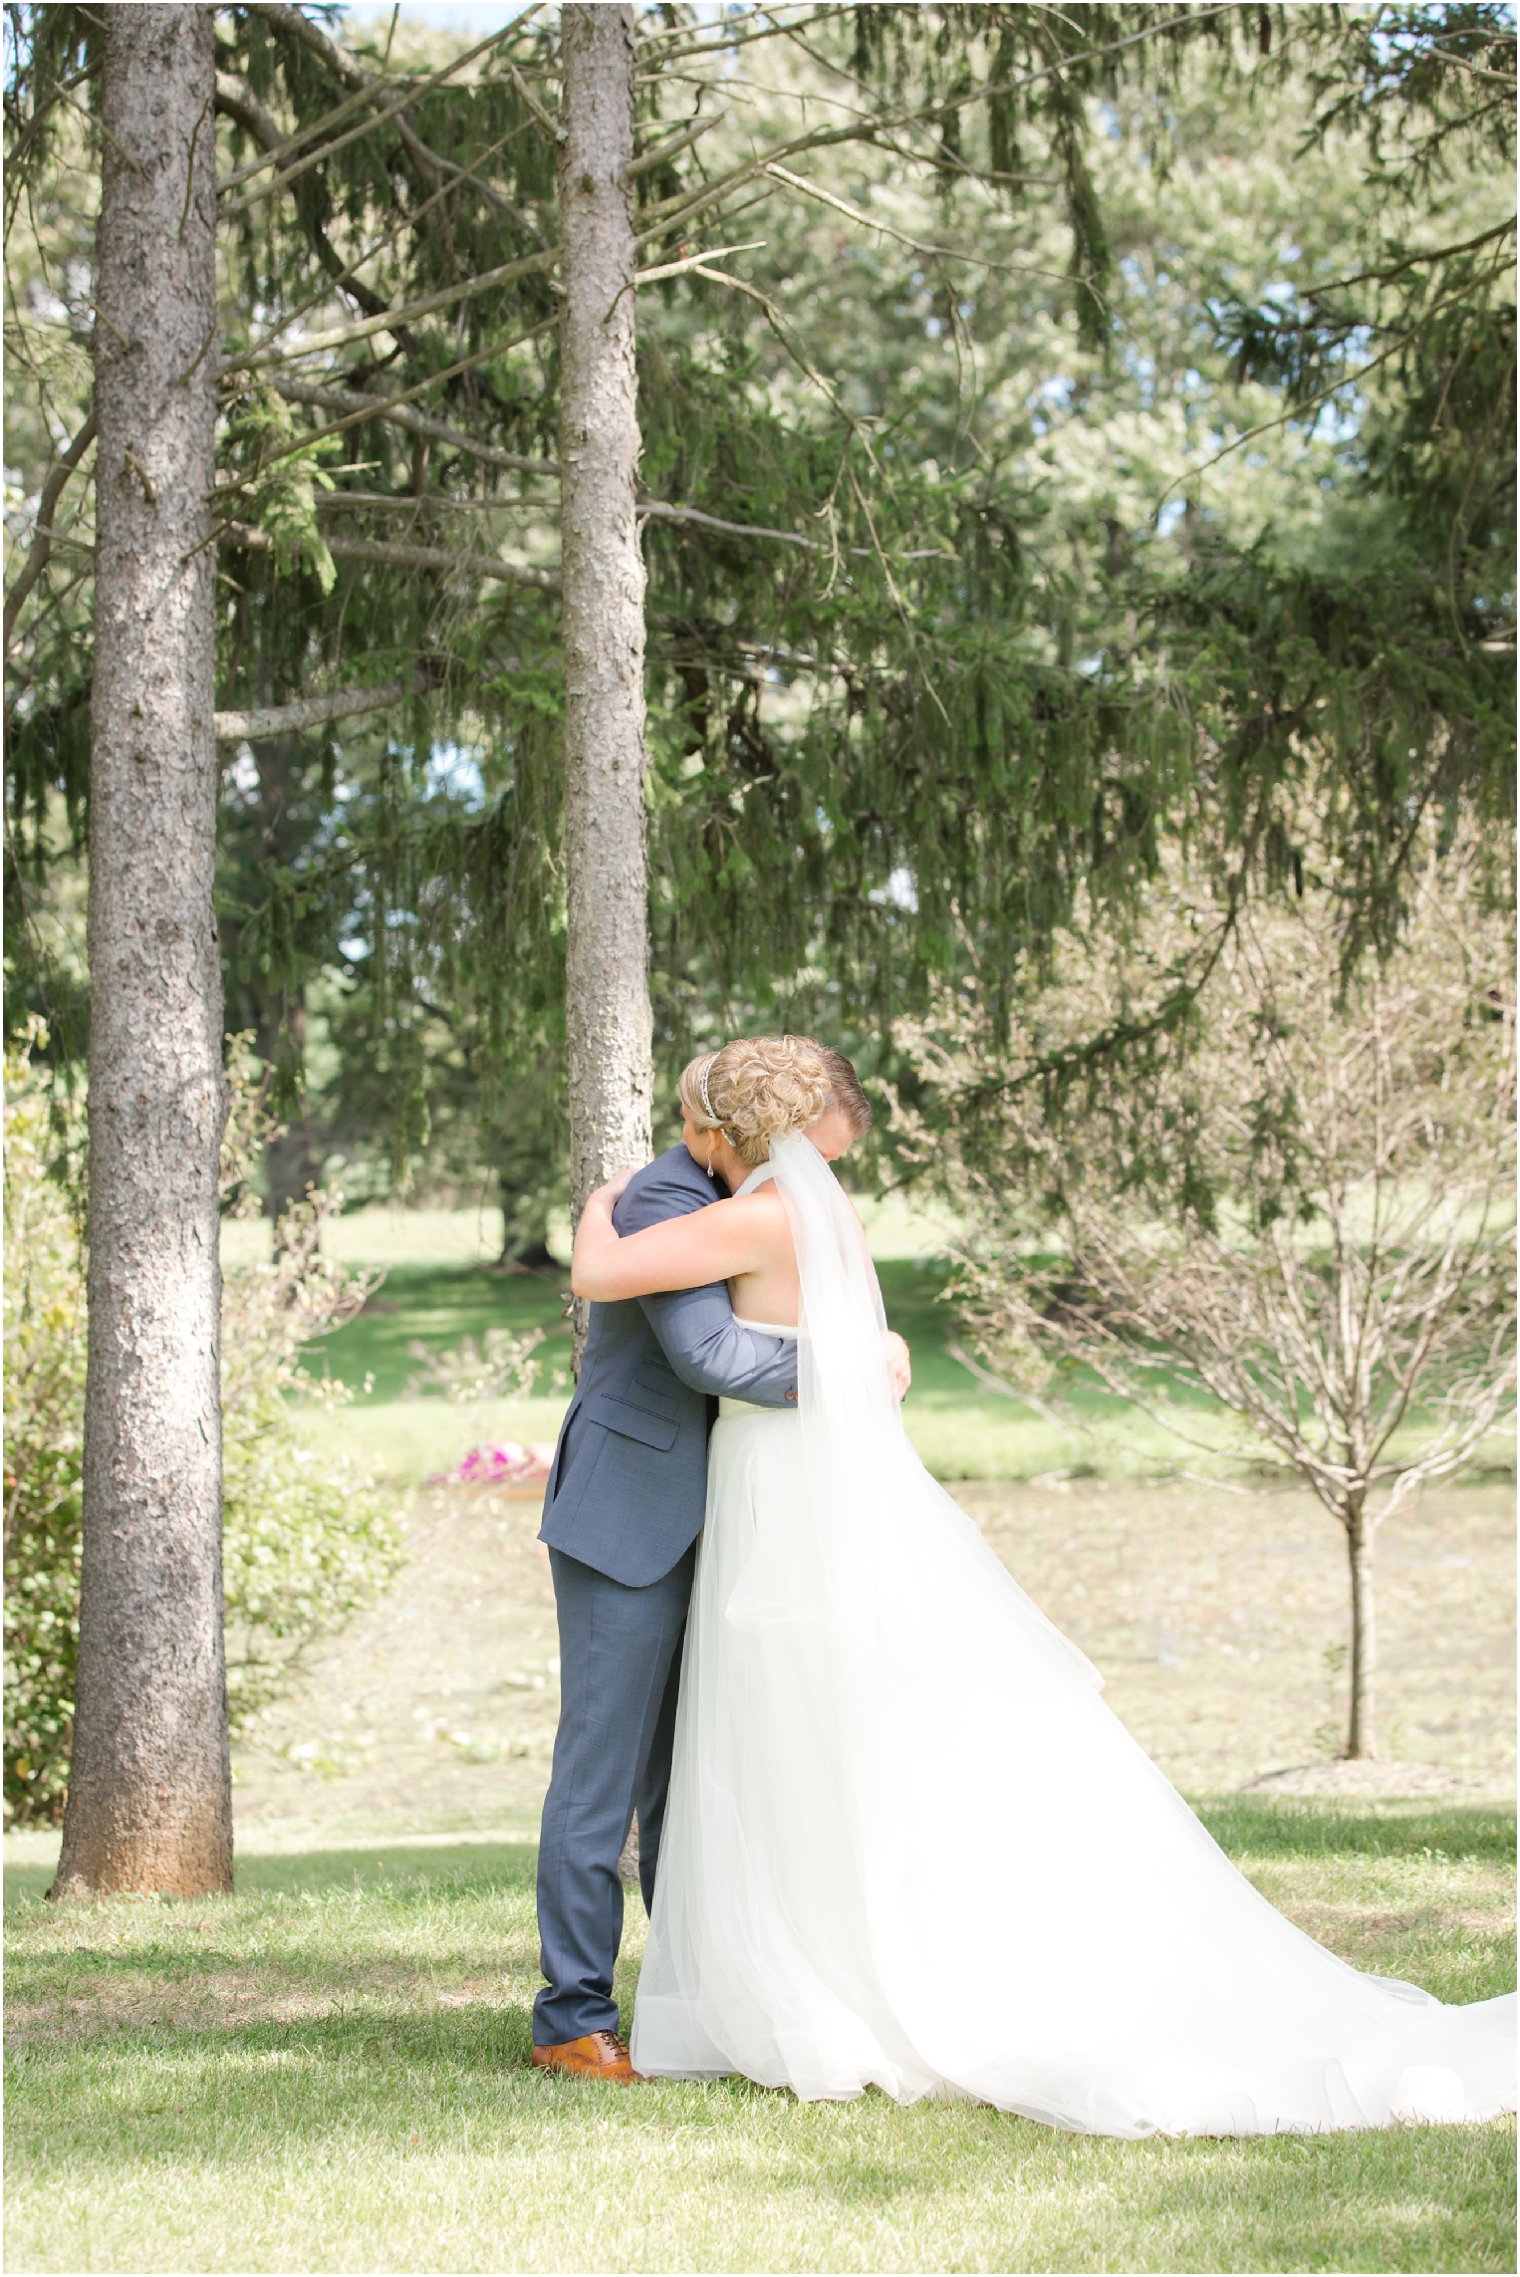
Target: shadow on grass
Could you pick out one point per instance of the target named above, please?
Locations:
(1243, 1825)
(413, 1872)
(366, 2011)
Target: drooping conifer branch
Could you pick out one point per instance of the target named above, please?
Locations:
(395, 409)
(349, 72)
(446, 560)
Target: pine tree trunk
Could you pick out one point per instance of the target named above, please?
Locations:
(149, 1804)
(1361, 1742)
(607, 980)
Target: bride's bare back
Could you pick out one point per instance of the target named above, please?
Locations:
(769, 1290)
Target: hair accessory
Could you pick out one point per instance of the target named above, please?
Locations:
(707, 1105)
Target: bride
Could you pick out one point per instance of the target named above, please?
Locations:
(907, 1844)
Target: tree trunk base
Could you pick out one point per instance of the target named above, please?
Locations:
(538, 1257)
(187, 1862)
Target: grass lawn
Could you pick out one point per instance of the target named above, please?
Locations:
(329, 2072)
(441, 1286)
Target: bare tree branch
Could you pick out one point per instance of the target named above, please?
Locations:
(315, 711)
(42, 539)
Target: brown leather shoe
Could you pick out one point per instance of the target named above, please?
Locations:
(600, 2055)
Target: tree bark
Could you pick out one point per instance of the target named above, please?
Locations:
(1361, 1741)
(149, 1804)
(608, 1019)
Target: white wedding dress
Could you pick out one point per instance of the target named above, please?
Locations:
(908, 1845)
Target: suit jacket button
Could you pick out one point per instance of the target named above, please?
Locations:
(792, 1395)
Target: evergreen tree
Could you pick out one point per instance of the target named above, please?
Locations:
(150, 1803)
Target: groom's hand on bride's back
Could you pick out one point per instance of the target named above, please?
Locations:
(899, 1363)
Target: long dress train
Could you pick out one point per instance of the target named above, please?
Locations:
(908, 1844)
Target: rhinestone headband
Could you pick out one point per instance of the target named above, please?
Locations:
(707, 1105)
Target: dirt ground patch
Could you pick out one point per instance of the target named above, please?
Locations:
(1219, 1621)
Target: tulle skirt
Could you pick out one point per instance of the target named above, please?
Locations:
(909, 1846)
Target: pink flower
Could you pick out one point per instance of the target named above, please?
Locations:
(498, 1463)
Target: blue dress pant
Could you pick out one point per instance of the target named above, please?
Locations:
(620, 1670)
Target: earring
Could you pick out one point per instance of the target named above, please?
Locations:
(710, 1171)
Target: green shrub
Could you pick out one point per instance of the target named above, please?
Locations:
(308, 1539)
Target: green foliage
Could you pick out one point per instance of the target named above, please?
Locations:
(283, 502)
(307, 1539)
(1032, 360)
(44, 1347)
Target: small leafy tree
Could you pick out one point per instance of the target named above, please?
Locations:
(308, 1538)
(1299, 1204)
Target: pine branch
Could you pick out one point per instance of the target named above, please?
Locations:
(1296, 410)
(315, 711)
(651, 511)
(803, 362)
(399, 413)
(403, 557)
(353, 418)
(350, 73)
(406, 223)
(279, 146)
(902, 236)
(683, 206)
(1419, 260)
(235, 101)
(649, 159)
(731, 38)
(447, 296)
(42, 541)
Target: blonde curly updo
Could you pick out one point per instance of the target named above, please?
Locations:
(759, 1088)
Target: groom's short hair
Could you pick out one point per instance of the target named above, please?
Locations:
(845, 1090)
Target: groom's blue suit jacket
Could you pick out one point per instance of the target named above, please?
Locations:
(628, 1486)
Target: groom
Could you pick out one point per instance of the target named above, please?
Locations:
(624, 1506)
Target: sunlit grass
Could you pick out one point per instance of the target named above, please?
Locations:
(329, 2072)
